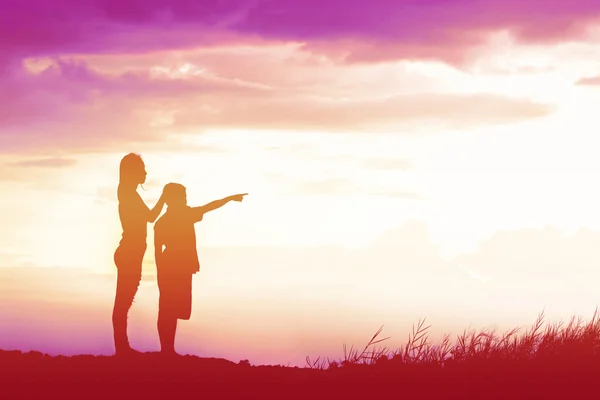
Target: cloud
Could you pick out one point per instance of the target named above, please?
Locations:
(108, 26)
(104, 75)
(400, 255)
(73, 82)
(401, 195)
(326, 187)
(380, 29)
(388, 164)
(404, 29)
(445, 110)
(590, 81)
(68, 104)
(10, 175)
(16, 171)
(76, 104)
(534, 257)
(9, 258)
(45, 163)
(106, 194)
(343, 186)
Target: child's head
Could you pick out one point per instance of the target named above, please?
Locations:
(175, 195)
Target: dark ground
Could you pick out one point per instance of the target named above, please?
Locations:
(37, 376)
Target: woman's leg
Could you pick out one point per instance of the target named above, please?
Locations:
(129, 274)
(127, 286)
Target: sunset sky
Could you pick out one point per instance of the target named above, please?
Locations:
(404, 159)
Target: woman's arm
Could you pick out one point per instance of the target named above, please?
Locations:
(158, 247)
(133, 203)
(155, 212)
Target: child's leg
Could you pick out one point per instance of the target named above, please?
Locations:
(167, 326)
(167, 316)
(185, 297)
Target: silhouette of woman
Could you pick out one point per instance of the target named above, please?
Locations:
(134, 216)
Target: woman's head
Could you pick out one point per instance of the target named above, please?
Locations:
(132, 169)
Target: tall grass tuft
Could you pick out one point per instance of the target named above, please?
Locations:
(577, 342)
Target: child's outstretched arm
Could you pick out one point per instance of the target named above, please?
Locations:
(198, 212)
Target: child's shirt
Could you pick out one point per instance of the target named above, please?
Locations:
(175, 230)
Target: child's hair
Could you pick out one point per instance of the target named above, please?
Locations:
(172, 192)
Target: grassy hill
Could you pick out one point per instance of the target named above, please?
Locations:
(560, 361)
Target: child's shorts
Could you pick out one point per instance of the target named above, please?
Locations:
(175, 288)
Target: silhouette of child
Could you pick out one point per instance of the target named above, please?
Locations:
(177, 259)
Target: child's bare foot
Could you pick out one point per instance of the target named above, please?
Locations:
(127, 352)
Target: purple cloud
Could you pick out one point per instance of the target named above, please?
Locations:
(68, 104)
(72, 104)
(398, 28)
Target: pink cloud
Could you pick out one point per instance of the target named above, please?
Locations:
(72, 106)
(69, 104)
(56, 162)
(375, 30)
(91, 105)
(109, 26)
(366, 115)
(536, 256)
(591, 81)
